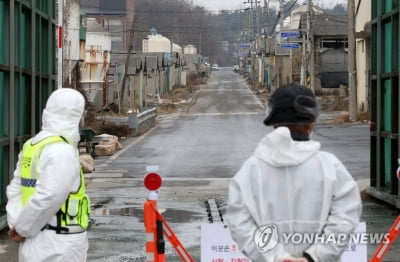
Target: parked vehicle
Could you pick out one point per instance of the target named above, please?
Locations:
(235, 68)
(214, 67)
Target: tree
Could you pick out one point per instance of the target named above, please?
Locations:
(338, 9)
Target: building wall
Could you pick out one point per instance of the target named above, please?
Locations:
(71, 39)
(296, 65)
(114, 17)
(362, 57)
(174, 77)
(118, 26)
(269, 71)
(337, 63)
(151, 86)
(95, 67)
(333, 67)
(363, 18)
(282, 71)
(363, 14)
(136, 97)
(191, 62)
(163, 82)
(190, 50)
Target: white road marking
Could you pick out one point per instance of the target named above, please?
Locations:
(3, 249)
(256, 98)
(224, 114)
(131, 144)
(224, 89)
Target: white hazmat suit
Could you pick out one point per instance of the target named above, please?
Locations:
(58, 170)
(297, 188)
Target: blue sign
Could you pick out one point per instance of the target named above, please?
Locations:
(245, 45)
(290, 34)
(239, 54)
(290, 46)
(167, 56)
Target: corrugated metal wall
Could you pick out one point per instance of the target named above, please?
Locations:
(385, 100)
(27, 73)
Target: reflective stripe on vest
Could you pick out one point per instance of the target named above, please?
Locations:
(76, 209)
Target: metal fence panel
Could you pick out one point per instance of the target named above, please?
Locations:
(385, 106)
(27, 69)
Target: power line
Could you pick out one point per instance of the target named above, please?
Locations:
(208, 29)
(163, 11)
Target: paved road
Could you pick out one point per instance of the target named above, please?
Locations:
(198, 149)
(210, 138)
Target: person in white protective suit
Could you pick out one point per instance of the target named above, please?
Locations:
(46, 228)
(288, 186)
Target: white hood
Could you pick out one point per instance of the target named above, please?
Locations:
(279, 149)
(63, 112)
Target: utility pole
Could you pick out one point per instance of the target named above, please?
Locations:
(352, 62)
(246, 23)
(257, 21)
(200, 43)
(251, 27)
(265, 39)
(303, 62)
(130, 48)
(266, 17)
(310, 48)
(281, 16)
(251, 20)
(245, 14)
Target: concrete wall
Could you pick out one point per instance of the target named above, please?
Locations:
(363, 96)
(282, 71)
(137, 97)
(163, 82)
(71, 39)
(338, 63)
(191, 62)
(333, 67)
(150, 76)
(174, 78)
(363, 14)
(363, 18)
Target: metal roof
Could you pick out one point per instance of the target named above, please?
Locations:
(152, 61)
(327, 25)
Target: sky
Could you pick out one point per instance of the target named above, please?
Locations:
(216, 5)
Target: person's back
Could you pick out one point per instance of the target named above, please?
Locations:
(47, 207)
(289, 188)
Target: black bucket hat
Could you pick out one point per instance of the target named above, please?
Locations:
(291, 104)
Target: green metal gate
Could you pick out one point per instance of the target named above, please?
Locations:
(27, 76)
(385, 100)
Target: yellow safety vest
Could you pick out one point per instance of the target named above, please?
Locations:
(75, 210)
